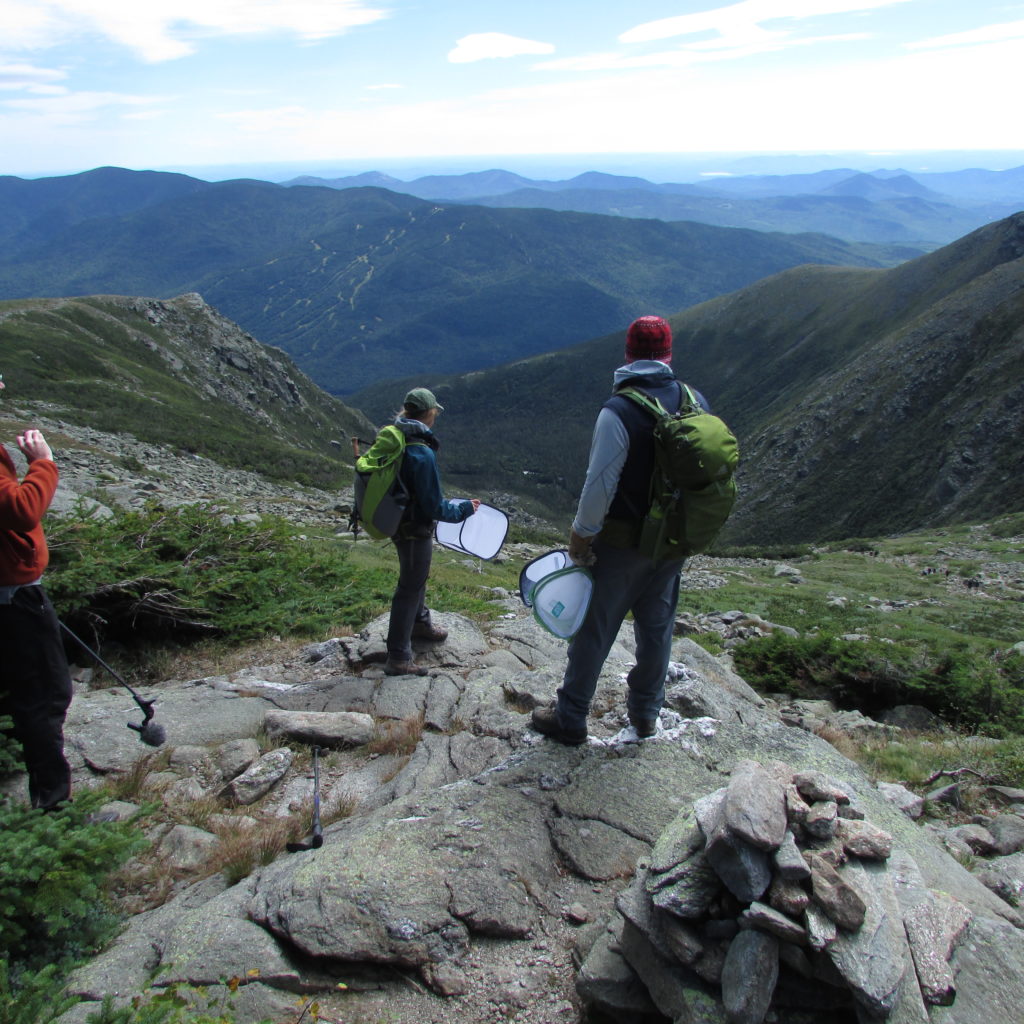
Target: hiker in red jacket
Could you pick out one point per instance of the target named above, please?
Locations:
(35, 684)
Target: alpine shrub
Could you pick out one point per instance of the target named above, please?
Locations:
(175, 1004)
(35, 999)
(53, 904)
(968, 690)
(198, 570)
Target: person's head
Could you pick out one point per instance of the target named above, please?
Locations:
(420, 404)
(649, 337)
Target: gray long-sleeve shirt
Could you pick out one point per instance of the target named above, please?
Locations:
(608, 450)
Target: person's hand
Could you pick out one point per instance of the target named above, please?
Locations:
(580, 552)
(34, 446)
(475, 502)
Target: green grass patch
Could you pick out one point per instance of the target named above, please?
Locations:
(923, 761)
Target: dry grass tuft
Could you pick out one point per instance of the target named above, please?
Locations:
(842, 741)
(517, 700)
(399, 737)
(194, 812)
(131, 785)
(242, 850)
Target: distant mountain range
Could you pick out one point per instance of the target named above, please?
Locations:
(885, 207)
(866, 401)
(363, 284)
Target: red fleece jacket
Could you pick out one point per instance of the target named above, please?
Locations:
(23, 552)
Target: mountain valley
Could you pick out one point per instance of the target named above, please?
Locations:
(355, 283)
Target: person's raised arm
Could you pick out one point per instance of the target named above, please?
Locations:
(33, 445)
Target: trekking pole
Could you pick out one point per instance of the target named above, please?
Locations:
(150, 732)
(317, 838)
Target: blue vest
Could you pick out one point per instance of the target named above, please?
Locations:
(633, 495)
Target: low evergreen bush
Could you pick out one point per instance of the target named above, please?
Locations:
(54, 909)
(53, 903)
(37, 998)
(971, 692)
(198, 570)
(175, 1004)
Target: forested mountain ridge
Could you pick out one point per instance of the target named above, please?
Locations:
(356, 283)
(866, 401)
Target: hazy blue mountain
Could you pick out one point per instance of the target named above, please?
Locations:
(436, 186)
(33, 210)
(763, 186)
(870, 186)
(897, 220)
(369, 179)
(360, 285)
(979, 185)
(950, 204)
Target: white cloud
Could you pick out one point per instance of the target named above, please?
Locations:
(25, 25)
(709, 107)
(159, 30)
(488, 45)
(725, 33)
(986, 34)
(31, 78)
(740, 23)
(79, 107)
(702, 52)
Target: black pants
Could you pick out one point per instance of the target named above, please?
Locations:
(408, 605)
(35, 691)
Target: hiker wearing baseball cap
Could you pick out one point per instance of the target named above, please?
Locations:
(414, 542)
(605, 536)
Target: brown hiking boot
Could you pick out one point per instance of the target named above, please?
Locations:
(403, 668)
(645, 727)
(545, 720)
(425, 631)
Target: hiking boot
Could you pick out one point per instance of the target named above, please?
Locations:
(403, 668)
(425, 631)
(644, 726)
(545, 720)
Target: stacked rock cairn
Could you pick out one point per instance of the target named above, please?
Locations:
(775, 895)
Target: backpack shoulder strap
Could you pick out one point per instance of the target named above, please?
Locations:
(644, 400)
(689, 398)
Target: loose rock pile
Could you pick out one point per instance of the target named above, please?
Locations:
(774, 895)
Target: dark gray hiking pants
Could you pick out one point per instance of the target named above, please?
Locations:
(624, 581)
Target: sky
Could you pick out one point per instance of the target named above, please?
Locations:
(384, 84)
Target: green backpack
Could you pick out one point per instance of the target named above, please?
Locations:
(692, 487)
(380, 497)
